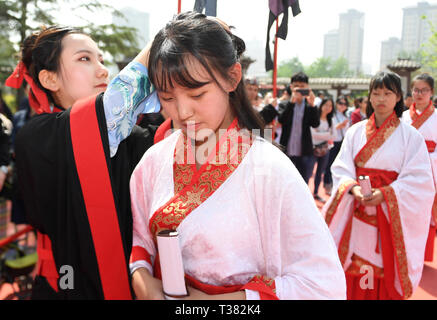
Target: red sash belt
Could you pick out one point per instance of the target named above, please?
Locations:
(264, 285)
(378, 179)
(46, 266)
(430, 145)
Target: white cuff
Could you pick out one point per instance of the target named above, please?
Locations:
(252, 295)
(140, 264)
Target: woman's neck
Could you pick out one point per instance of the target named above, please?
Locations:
(380, 118)
(205, 147)
(323, 117)
(421, 107)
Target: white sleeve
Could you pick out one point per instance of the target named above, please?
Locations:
(414, 189)
(299, 251)
(143, 247)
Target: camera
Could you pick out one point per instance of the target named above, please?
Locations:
(304, 92)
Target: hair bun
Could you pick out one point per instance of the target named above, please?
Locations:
(27, 49)
(239, 45)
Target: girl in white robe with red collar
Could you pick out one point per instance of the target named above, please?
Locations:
(381, 238)
(248, 226)
(423, 116)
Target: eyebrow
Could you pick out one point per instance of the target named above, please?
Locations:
(88, 51)
(202, 85)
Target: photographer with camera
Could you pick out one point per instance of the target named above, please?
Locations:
(297, 116)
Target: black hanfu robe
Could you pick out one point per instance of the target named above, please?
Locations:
(70, 207)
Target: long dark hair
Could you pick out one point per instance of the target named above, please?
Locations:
(330, 114)
(390, 81)
(194, 35)
(42, 51)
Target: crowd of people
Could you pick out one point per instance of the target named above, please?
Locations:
(335, 118)
(315, 130)
(180, 140)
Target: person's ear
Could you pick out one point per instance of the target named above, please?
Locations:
(235, 74)
(49, 80)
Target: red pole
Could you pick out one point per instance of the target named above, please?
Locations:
(275, 61)
(15, 236)
(179, 6)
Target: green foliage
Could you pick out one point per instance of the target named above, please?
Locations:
(11, 101)
(340, 68)
(428, 52)
(19, 18)
(326, 68)
(118, 41)
(7, 61)
(321, 68)
(287, 68)
(426, 55)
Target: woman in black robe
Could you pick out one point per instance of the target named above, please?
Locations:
(74, 162)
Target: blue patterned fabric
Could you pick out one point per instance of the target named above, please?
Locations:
(129, 94)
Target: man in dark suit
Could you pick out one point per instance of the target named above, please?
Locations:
(297, 116)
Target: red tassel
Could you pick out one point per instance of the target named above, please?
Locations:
(16, 78)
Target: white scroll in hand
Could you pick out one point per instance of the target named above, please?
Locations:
(172, 269)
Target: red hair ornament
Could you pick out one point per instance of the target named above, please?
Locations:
(37, 97)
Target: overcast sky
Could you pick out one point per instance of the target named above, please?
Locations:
(383, 19)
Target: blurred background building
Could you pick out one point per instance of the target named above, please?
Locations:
(347, 40)
(135, 19)
(416, 30)
(390, 50)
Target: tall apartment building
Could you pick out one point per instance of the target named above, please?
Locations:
(416, 30)
(330, 45)
(348, 40)
(390, 50)
(351, 38)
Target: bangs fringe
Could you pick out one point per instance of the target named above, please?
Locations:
(385, 82)
(170, 69)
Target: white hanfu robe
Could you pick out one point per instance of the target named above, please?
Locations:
(426, 124)
(429, 131)
(403, 152)
(262, 220)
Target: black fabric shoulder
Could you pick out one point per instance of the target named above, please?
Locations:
(36, 153)
(5, 144)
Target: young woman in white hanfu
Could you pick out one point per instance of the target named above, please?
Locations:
(423, 116)
(248, 225)
(381, 237)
